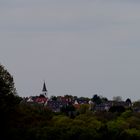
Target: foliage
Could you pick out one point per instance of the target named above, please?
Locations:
(8, 100)
(136, 104)
(39, 123)
(97, 99)
(54, 98)
(117, 98)
(6, 82)
(118, 109)
(83, 108)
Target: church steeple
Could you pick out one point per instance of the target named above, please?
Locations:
(44, 90)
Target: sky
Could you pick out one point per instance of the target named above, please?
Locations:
(79, 47)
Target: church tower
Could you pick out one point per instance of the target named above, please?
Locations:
(44, 90)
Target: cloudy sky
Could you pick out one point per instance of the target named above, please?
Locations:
(79, 47)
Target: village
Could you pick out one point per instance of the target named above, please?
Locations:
(96, 103)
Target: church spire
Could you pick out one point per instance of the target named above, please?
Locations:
(44, 90)
(44, 87)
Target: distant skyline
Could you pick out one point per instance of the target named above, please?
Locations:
(79, 47)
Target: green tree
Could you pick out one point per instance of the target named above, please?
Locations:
(115, 127)
(8, 101)
(53, 98)
(8, 95)
(130, 134)
(83, 108)
(6, 82)
(96, 99)
(136, 104)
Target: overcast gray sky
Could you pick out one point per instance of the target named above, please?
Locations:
(79, 47)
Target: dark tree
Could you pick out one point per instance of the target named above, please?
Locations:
(128, 101)
(118, 109)
(53, 98)
(6, 82)
(8, 101)
(96, 99)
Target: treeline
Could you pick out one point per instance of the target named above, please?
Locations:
(39, 123)
(36, 122)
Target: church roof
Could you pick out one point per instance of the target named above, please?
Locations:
(44, 87)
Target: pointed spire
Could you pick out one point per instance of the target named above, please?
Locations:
(44, 87)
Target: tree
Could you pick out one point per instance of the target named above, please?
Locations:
(68, 110)
(6, 82)
(83, 108)
(96, 99)
(128, 101)
(136, 104)
(8, 101)
(53, 98)
(117, 98)
(118, 109)
(8, 98)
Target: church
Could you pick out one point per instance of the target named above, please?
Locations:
(44, 90)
